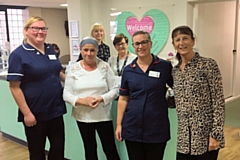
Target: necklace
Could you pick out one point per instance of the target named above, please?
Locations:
(124, 63)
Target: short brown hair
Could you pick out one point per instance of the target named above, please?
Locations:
(118, 38)
(55, 46)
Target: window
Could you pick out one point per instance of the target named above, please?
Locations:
(3, 30)
(16, 22)
(12, 20)
(113, 29)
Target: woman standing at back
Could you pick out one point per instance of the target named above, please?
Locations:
(123, 58)
(97, 32)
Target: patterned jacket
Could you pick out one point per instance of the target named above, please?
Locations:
(200, 105)
(103, 52)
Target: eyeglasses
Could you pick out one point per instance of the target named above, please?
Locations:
(120, 44)
(143, 43)
(37, 29)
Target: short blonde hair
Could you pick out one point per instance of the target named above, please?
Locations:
(30, 21)
(96, 26)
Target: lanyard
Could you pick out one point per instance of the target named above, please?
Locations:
(124, 63)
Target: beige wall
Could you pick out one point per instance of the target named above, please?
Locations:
(88, 12)
(179, 12)
(214, 32)
(55, 19)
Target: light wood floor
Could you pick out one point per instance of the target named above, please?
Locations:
(232, 148)
(12, 151)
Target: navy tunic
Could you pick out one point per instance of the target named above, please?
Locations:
(40, 81)
(146, 115)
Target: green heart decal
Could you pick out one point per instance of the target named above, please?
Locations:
(153, 21)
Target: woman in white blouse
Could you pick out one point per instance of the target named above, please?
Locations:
(90, 89)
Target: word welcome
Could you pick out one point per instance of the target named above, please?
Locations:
(133, 25)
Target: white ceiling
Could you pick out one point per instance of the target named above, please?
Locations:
(35, 3)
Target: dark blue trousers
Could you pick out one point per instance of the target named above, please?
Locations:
(145, 151)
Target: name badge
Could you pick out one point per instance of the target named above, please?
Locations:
(154, 74)
(52, 57)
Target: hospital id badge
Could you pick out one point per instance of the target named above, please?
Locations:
(52, 57)
(154, 74)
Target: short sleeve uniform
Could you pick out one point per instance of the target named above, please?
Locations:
(146, 115)
(40, 81)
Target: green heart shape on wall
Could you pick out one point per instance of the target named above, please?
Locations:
(159, 30)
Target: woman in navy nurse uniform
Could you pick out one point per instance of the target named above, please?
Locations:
(142, 118)
(34, 77)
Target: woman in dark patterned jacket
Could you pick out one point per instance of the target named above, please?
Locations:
(97, 32)
(199, 100)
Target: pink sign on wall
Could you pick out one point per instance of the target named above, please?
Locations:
(153, 21)
(133, 25)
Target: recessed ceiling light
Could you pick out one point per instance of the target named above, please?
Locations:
(113, 9)
(64, 5)
(115, 14)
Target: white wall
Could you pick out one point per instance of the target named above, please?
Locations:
(55, 19)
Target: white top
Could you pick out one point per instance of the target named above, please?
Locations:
(80, 83)
(113, 62)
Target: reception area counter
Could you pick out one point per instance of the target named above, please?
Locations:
(74, 149)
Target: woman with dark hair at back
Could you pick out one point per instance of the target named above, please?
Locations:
(56, 48)
(123, 57)
(199, 100)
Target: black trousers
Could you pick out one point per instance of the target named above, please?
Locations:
(212, 155)
(106, 135)
(36, 137)
(145, 151)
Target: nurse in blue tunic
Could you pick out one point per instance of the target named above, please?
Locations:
(34, 77)
(142, 118)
